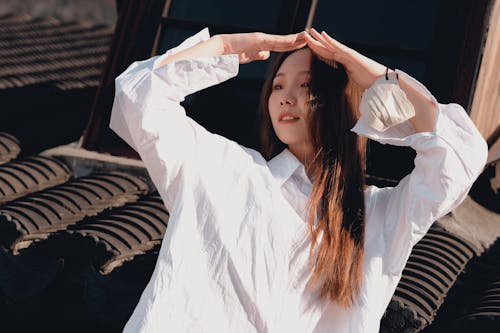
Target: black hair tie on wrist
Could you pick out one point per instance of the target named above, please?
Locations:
(387, 74)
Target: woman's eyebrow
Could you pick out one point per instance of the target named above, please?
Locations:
(301, 72)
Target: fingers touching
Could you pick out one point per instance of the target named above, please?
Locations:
(320, 43)
(332, 43)
(283, 43)
(324, 45)
(317, 46)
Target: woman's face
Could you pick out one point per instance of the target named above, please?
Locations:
(288, 102)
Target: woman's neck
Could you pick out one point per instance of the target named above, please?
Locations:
(305, 154)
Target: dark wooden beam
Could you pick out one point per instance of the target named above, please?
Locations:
(133, 40)
(471, 51)
(293, 16)
(456, 50)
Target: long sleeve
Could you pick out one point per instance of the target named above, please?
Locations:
(224, 262)
(147, 113)
(448, 161)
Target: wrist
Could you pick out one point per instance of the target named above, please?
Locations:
(221, 44)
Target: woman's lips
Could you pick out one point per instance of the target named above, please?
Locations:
(288, 121)
(287, 118)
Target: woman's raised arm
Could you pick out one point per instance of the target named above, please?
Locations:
(401, 111)
(147, 113)
(365, 71)
(248, 46)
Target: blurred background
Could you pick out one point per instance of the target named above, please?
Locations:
(91, 11)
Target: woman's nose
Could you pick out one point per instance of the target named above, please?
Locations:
(288, 99)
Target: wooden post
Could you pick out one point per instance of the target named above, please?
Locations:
(485, 111)
(133, 40)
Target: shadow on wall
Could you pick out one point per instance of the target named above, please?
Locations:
(91, 11)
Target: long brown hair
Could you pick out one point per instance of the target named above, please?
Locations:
(337, 197)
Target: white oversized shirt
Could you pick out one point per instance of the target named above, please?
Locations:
(234, 256)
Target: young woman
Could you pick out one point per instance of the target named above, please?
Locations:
(289, 240)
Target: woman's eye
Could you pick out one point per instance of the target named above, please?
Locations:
(277, 87)
(306, 84)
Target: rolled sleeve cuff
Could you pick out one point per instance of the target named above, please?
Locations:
(385, 111)
(453, 126)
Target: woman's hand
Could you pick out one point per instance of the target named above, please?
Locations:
(365, 71)
(257, 45)
(362, 70)
(248, 46)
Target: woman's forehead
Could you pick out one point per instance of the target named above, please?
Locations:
(298, 61)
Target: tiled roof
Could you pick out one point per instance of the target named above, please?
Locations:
(9, 147)
(120, 234)
(486, 306)
(45, 50)
(433, 267)
(40, 214)
(32, 174)
(473, 304)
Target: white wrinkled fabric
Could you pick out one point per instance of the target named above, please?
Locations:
(385, 104)
(235, 251)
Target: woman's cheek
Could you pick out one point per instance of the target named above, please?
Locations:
(272, 107)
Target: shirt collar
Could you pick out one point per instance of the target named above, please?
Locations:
(284, 165)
